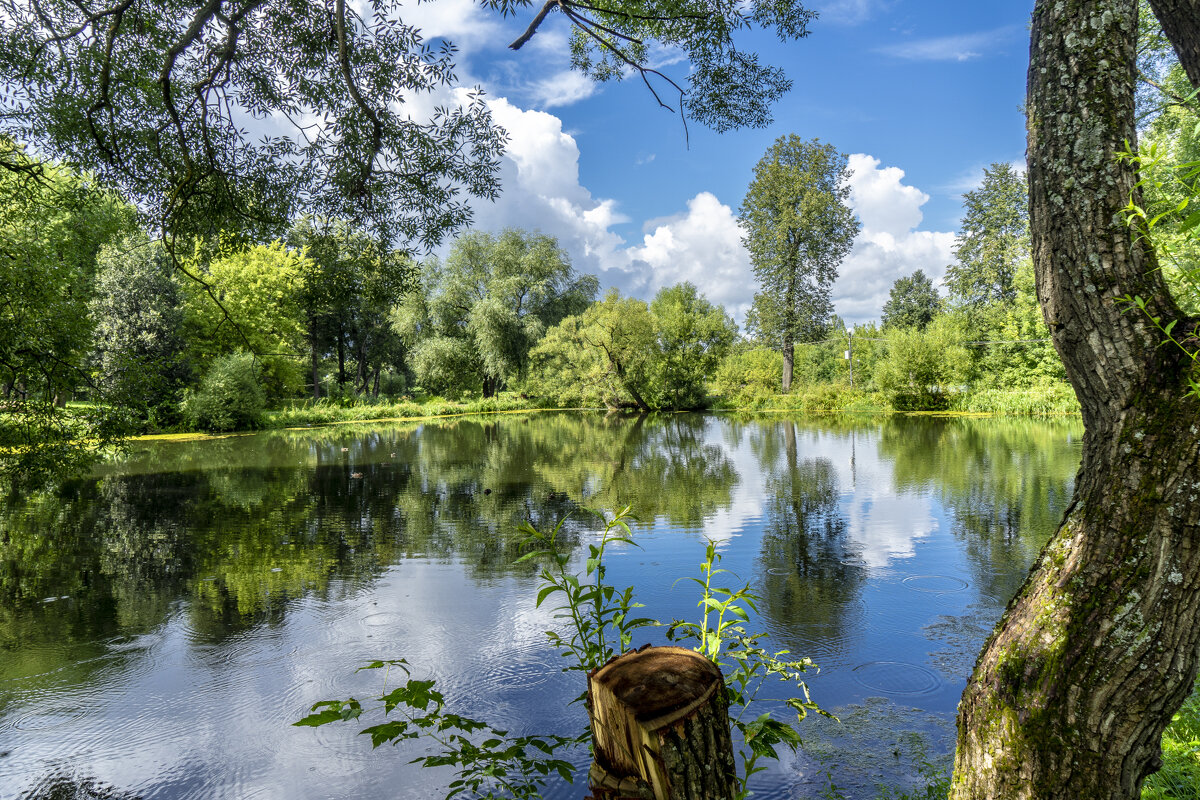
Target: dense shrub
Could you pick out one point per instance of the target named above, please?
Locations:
(748, 375)
(230, 397)
(922, 369)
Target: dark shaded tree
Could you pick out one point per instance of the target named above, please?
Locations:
(139, 331)
(353, 282)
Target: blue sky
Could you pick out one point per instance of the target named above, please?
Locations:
(921, 95)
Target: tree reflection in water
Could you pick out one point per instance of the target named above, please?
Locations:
(811, 581)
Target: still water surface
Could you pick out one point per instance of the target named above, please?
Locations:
(163, 622)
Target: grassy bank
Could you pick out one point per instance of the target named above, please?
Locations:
(323, 413)
(1179, 778)
(1049, 400)
(814, 399)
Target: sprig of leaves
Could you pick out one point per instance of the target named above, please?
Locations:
(747, 667)
(599, 616)
(1156, 177)
(490, 764)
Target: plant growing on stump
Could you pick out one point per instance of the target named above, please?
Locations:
(600, 628)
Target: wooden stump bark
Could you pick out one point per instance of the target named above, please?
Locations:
(660, 728)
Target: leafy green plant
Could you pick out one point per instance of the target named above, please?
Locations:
(1171, 218)
(490, 764)
(746, 665)
(1179, 778)
(599, 616)
(230, 397)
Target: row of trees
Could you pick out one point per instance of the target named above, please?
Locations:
(987, 330)
(99, 311)
(509, 312)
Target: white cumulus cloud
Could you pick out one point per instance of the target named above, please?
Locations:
(702, 242)
(702, 245)
(890, 245)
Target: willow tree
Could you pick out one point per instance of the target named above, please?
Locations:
(797, 228)
(1073, 690)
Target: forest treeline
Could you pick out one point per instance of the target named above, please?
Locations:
(97, 312)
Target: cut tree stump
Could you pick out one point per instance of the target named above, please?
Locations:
(660, 728)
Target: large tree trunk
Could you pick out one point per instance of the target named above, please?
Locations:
(341, 351)
(1072, 692)
(1180, 20)
(316, 376)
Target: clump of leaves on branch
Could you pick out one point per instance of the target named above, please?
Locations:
(156, 97)
(726, 87)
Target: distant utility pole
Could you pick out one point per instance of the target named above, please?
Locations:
(850, 355)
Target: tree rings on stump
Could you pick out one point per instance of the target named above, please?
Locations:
(660, 727)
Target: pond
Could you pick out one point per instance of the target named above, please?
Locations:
(165, 620)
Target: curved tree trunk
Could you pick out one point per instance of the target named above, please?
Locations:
(1072, 692)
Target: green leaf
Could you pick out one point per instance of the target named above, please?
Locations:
(545, 592)
(315, 720)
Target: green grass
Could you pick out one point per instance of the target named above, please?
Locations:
(814, 399)
(1179, 778)
(1047, 400)
(324, 413)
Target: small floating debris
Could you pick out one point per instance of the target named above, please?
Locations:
(356, 474)
(345, 449)
(276, 569)
(49, 599)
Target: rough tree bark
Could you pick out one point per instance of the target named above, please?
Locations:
(1072, 692)
(660, 728)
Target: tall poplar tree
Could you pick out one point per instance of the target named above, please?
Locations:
(798, 228)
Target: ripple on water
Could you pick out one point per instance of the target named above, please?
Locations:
(59, 715)
(936, 584)
(896, 677)
(382, 619)
(523, 670)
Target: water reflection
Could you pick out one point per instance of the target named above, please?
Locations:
(813, 575)
(163, 621)
(1005, 484)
